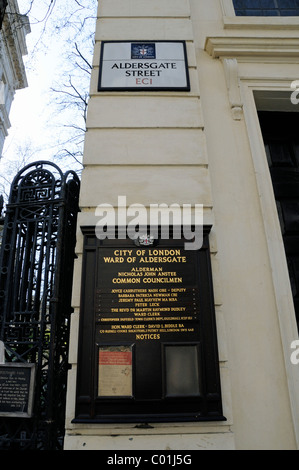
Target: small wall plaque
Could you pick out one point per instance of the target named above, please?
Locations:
(16, 389)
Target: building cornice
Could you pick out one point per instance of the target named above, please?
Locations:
(249, 47)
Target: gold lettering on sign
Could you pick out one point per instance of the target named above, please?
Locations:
(140, 296)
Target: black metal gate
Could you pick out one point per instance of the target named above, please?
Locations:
(36, 266)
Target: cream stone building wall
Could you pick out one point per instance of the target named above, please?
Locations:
(204, 147)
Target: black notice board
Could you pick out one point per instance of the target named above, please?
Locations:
(16, 389)
(147, 327)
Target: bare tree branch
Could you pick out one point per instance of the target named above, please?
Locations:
(83, 58)
(73, 21)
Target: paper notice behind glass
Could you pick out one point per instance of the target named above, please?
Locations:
(115, 371)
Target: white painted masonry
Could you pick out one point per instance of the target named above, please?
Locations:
(204, 147)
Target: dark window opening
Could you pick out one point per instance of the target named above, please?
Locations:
(3, 5)
(281, 139)
(266, 7)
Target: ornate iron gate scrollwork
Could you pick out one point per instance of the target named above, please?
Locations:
(36, 267)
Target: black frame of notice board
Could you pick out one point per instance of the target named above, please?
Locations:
(147, 343)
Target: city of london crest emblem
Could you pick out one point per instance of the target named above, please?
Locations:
(145, 240)
(143, 51)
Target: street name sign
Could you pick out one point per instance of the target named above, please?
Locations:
(143, 65)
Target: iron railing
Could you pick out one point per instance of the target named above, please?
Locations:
(36, 265)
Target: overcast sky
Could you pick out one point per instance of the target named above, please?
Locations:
(29, 113)
(35, 124)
